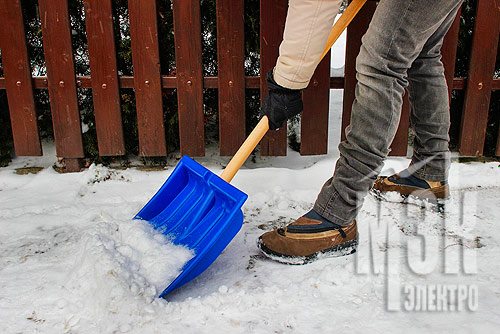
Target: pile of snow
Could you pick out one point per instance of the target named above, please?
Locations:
(123, 265)
(88, 278)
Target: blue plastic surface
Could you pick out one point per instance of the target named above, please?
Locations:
(197, 209)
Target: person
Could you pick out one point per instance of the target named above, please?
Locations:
(401, 49)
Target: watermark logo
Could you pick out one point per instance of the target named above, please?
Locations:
(423, 256)
(440, 297)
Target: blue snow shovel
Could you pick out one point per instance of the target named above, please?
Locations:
(202, 211)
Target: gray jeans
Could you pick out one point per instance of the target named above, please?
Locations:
(401, 49)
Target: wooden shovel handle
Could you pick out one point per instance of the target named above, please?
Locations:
(263, 126)
(342, 23)
(246, 149)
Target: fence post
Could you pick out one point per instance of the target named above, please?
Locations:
(231, 72)
(17, 73)
(479, 83)
(314, 122)
(272, 25)
(449, 52)
(147, 77)
(61, 81)
(399, 145)
(188, 58)
(355, 31)
(105, 88)
(497, 152)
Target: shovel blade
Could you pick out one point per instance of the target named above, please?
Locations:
(197, 209)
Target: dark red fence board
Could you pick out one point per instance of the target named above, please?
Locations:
(355, 31)
(187, 35)
(170, 82)
(479, 84)
(399, 145)
(251, 82)
(147, 77)
(449, 52)
(272, 24)
(314, 122)
(17, 73)
(497, 152)
(231, 72)
(61, 78)
(105, 86)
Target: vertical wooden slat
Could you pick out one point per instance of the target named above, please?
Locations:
(188, 57)
(497, 153)
(314, 122)
(355, 31)
(17, 74)
(61, 78)
(479, 83)
(105, 88)
(231, 56)
(147, 77)
(272, 25)
(449, 52)
(399, 145)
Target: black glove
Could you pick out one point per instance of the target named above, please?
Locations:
(281, 103)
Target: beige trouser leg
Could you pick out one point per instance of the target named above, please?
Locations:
(308, 24)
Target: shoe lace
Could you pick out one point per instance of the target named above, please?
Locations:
(342, 233)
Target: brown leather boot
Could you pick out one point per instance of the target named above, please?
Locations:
(409, 185)
(306, 240)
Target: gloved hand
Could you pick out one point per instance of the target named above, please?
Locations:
(281, 103)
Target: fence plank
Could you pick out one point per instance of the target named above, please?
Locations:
(231, 56)
(17, 72)
(272, 25)
(355, 31)
(399, 145)
(147, 77)
(170, 82)
(314, 122)
(105, 88)
(187, 35)
(497, 153)
(61, 78)
(479, 84)
(251, 82)
(449, 52)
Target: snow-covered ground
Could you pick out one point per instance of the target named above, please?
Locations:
(72, 261)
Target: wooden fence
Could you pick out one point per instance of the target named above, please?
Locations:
(231, 82)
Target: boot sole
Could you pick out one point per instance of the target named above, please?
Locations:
(344, 249)
(431, 194)
(436, 204)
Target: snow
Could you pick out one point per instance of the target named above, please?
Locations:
(73, 265)
(73, 261)
(338, 51)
